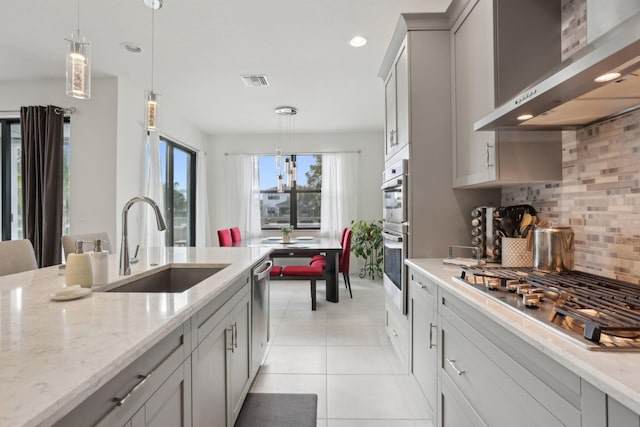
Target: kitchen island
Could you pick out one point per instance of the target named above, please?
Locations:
(55, 354)
(482, 341)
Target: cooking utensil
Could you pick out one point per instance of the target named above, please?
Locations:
(507, 226)
(525, 222)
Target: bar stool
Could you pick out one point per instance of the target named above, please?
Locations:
(17, 256)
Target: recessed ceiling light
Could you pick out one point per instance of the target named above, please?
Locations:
(131, 47)
(525, 117)
(153, 4)
(606, 77)
(358, 41)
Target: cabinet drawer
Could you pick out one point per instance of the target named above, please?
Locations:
(498, 399)
(398, 330)
(134, 385)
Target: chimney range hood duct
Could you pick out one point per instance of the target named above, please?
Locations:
(569, 98)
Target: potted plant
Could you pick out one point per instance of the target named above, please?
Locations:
(366, 243)
(286, 233)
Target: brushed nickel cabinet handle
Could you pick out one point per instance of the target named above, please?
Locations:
(489, 165)
(122, 400)
(452, 362)
(235, 334)
(431, 326)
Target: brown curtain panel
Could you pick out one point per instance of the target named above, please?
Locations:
(42, 170)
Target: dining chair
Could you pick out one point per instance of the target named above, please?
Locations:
(322, 257)
(236, 236)
(345, 257)
(343, 262)
(69, 240)
(224, 238)
(17, 256)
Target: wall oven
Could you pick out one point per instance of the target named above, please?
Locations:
(394, 233)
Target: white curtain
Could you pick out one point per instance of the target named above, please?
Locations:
(203, 226)
(151, 237)
(339, 202)
(247, 192)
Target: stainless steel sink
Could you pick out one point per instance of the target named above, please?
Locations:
(172, 280)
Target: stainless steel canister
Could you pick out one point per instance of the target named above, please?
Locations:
(553, 249)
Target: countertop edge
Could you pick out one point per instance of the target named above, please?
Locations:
(584, 363)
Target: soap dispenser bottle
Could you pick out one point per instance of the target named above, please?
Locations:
(78, 270)
(99, 263)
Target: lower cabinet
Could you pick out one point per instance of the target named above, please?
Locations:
(139, 393)
(221, 364)
(506, 381)
(424, 335)
(397, 327)
(170, 405)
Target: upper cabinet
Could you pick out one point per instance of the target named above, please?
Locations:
(397, 105)
(498, 48)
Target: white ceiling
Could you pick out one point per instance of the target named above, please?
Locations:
(203, 46)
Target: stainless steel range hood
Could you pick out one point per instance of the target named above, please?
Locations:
(570, 98)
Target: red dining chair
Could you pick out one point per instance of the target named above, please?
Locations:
(345, 257)
(322, 257)
(224, 237)
(343, 262)
(235, 234)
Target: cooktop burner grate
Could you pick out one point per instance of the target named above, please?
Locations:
(590, 304)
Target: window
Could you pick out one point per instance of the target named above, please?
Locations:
(299, 204)
(11, 159)
(178, 165)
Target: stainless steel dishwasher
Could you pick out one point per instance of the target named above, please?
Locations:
(259, 313)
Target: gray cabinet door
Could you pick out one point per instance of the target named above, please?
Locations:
(473, 77)
(402, 98)
(424, 356)
(390, 115)
(170, 404)
(240, 358)
(210, 379)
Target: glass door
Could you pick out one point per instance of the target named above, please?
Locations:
(179, 180)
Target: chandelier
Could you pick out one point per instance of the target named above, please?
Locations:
(286, 128)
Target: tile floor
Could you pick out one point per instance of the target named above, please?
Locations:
(341, 353)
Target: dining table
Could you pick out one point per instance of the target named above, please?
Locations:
(305, 247)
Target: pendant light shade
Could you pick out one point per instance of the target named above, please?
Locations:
(78, 61)
(152, 111)
(280, 184)
(278, 158)
(78, 69)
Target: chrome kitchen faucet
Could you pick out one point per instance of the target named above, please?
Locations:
(125, 266)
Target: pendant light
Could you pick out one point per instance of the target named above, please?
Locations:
(286, 132)
(152, 97)
(78, 74)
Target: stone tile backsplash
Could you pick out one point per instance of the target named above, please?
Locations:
(599, 196)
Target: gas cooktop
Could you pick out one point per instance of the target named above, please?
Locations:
(594, 312)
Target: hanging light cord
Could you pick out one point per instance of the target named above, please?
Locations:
(78, 18)
(153, 31)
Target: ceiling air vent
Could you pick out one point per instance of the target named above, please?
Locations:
(255, 81)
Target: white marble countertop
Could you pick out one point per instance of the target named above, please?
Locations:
(615, 373)
(55, 354)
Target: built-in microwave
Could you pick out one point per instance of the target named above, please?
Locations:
(394, 190)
